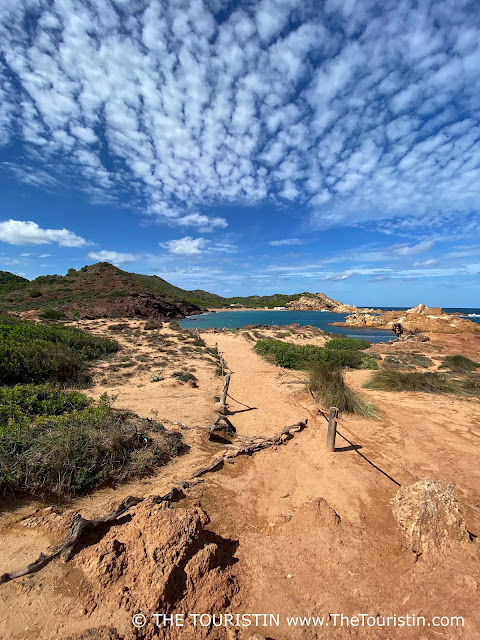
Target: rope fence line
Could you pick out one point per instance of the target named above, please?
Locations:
(362, 440)
(380, 453)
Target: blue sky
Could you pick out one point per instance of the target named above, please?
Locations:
(246, 147)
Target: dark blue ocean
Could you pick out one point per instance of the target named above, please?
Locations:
(319, 319)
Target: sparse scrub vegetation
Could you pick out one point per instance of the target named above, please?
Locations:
(329, 386)
(294, 356)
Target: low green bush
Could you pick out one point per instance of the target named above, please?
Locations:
(152, 324)
(35, 293)
(24, 402)
(294, 356)
(184, 376)
(51, 314)
(78, 450)
(36, 352)
(329, 387)
(346, 343)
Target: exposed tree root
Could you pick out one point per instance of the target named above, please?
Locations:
(81, 525)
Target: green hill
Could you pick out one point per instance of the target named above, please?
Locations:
(99, 291)
(102, 290)
(10, 282)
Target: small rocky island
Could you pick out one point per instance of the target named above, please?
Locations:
(419, 319)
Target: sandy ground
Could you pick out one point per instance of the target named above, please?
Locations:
(314, 531)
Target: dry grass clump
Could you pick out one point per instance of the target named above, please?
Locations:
(459, 364)
(428, 382)
(329, 386)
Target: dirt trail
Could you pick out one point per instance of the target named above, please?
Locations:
(256, 383)
(312, 532)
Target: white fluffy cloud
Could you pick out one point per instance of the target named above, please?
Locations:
(114, 257)
(359, 110)
(186, 246)
(18, 232)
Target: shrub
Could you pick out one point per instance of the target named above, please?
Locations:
(184, 376)
(23, 402)
(156, 377)
(459, 364)
(294, 356)
(345, 343)
(77, 451)
(152, 324)
(118, 327)
(35, 293)
(51, 314)
(428, 382)
(173, 324)
(35, 352)
(330, 387)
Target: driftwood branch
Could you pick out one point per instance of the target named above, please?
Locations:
(257, 444)
(216, 426)
(81, 525)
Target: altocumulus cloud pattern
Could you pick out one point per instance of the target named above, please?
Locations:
(355, 110)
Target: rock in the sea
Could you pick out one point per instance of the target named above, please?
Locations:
(419, 319)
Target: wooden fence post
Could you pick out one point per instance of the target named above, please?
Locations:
(223, 397)
(332, 428)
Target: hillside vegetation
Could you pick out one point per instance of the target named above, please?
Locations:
(58, 441)
(11, 282)
(100, 291)
(31, 352)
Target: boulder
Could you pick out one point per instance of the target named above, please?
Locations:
(429, 517)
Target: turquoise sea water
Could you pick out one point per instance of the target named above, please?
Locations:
(319, 319)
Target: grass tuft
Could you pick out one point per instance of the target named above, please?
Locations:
(329, 386)
(459, 364)
(428, 382)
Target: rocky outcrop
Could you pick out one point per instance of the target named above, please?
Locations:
(139, 305)
(162, 559)
(419, 319)
(321, 302)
